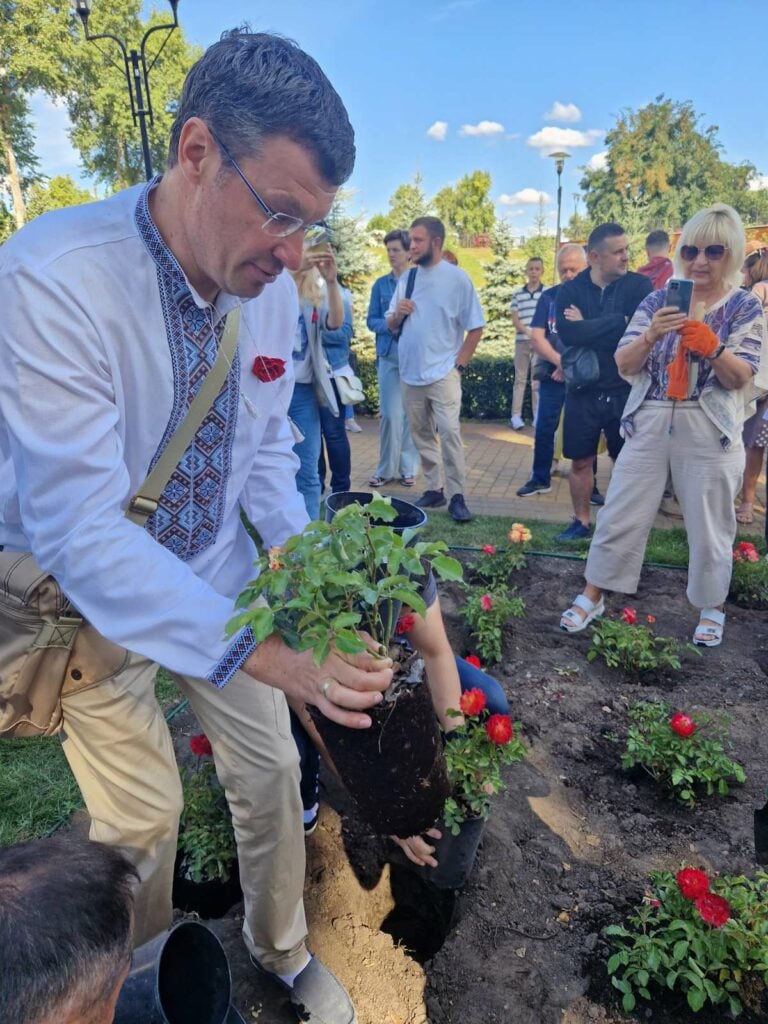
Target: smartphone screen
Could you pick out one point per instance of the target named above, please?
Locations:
(679, 294)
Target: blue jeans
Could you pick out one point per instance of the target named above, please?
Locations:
(397, 452)
(304, 412)
(309, 760)
(551, 399)
(337, 446)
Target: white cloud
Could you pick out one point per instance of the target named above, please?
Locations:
(568, 138)
(438, 131)
(527, 196)
(598, 162)
(486, 128)
(54, 150)
(566, 112)
(759, 183)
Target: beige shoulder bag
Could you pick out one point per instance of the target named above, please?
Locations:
(47, 651)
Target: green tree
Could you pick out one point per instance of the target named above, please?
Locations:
(356, 262)
(660, 156)
(59, 192)
(407, 203)
(466, 209)
(541, 243)
(502, 275)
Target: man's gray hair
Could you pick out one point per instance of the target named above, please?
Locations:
(251, 86)
(570, 247)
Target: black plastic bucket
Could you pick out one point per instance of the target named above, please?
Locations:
(179, 977)
(409, 516)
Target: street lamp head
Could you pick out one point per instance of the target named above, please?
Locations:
(83, 11)
(559, 156)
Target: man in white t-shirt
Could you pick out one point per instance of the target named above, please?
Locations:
(440, 325)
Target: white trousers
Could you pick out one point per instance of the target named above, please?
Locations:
(674, 440)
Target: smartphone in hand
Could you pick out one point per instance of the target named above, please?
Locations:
(679, 294)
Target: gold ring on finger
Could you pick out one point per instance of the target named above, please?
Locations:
(326, 687)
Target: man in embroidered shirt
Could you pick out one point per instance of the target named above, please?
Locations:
(397, 452)
(440, 324)
(113, 313)
(522, 308)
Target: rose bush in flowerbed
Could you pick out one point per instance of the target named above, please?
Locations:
(494, 568)
(705, 939)
(749, 582)
(683, 753)
(631, 646)
(206, 837)
(486, 614)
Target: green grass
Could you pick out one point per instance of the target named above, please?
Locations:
(37, 790)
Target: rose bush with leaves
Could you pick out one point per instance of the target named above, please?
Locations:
(704, 938)
(474, 755)
(335, 579)
(486, 613)
(494, 569)
(206, 837)
(683, 753)
(632, 647)
(749, 582)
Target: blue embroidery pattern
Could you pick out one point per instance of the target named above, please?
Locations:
(244, 644)
(191, 507)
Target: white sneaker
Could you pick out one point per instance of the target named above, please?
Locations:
(517, 422)
(353, 426)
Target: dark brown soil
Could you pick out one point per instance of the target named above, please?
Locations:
(569, 844)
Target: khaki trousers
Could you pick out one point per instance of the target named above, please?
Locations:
(436, 409)
(523, 358)
(674, 440)
(119, 748)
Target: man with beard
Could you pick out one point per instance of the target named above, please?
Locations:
(436, 311)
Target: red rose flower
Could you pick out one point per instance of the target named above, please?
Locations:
(499, 729)
(472, 701)
(692, 883)
(472, 659)
(489, 549)
(715, 910)
(200, 745)
(629, 615)
(746, 546)
(737, 556)
(486, 603)
(682, 724)
(405, 625)
(650, 619)
(268, 368)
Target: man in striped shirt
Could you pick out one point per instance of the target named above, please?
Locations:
(522, 308)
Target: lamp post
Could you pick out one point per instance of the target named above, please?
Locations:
(560, 156)
(136, 71)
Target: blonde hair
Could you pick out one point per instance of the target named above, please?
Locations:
(716, 225)
(310, 286)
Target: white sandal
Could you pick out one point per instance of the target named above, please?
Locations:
(574, 620)
(709, 634)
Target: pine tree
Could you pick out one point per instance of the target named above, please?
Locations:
(502, 276)
(356, 262)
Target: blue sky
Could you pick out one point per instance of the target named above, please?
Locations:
(443, 87)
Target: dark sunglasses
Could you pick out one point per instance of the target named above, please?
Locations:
(711, 252)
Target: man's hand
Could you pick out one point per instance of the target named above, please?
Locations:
(417, 849)
(666, 320)
(325, 263)
(404, 308)
(343, 681)
(572, 313)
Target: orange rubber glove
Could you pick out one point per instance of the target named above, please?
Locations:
(699, 338)
(677, 371)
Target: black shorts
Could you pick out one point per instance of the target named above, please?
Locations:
(586, 414)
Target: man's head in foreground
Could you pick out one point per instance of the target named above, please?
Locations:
(259, 147)
(66, 924)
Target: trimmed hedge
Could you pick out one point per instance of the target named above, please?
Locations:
(486, 387)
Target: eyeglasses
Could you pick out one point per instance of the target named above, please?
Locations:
(279, 225)
(711, 252)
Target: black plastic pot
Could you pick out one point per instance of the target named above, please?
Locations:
(210, 900)
(455, 855)
(409, 516)
(179, 977)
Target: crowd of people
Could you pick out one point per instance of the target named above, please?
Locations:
(98, 382)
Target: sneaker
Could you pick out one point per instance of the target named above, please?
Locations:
(533, 488)
(431, 499)
(517, 423)
(317, 995)
(596, 498)
(353, 426)
(458, 510)
(311, 818)
(575, 531)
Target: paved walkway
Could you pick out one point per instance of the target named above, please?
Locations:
(498, 462)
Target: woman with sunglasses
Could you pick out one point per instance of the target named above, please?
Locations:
(694, 379)
(756, 428)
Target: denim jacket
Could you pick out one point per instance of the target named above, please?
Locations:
(335, 342)
(381, 296)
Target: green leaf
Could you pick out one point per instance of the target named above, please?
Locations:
(615, 962)
(262, 621)
(447, 568)
(696, 998)
(680, 949)
(628, 1002)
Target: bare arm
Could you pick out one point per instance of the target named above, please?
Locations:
(429, 638)
(543, 347)
(519, 325)
(467, 350)
(731, 370)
